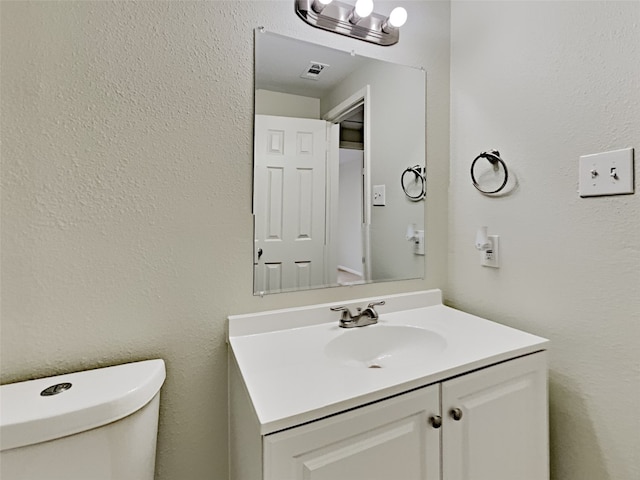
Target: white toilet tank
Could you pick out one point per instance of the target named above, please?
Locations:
(95, 425)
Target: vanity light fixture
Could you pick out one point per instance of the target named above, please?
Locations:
(356, 21)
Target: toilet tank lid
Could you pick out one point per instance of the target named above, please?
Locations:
(95, 398)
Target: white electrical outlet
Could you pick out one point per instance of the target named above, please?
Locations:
(379, 197)
(418, 245)
(608, 173)
(491, 256)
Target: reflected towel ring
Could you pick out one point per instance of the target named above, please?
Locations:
(417, 170)
(494, 158)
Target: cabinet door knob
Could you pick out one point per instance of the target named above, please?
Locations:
(455, 413)
(435, 421)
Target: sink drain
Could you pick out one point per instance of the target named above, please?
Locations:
(374, 365)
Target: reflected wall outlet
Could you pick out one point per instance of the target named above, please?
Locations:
(379, 197)
(418, 245)
(491, 256)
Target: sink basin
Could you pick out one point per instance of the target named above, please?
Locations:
(381, 346)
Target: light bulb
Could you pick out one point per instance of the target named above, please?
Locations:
(395, 20)
(318, 5)
(364, 8)
(398, 17)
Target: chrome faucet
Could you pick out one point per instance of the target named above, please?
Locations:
(362, 318)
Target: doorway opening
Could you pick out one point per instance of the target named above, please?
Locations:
(348, 206)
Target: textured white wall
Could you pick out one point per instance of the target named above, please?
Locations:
(126, 192)
(546, 82)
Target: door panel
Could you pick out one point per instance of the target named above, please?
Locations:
(275, 203)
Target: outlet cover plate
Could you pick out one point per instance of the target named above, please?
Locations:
(379, 196)
(608, 173)
(491, 256)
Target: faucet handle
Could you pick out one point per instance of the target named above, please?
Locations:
(375, 304)
(370, 311)
(346, 313)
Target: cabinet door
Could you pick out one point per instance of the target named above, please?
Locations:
(502, 433)
(389, 440)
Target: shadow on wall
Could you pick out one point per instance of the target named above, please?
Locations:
(572, 433)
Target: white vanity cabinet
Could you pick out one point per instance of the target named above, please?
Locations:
(427, 393)
(489, 424)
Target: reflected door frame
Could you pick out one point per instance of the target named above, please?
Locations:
(334, 117)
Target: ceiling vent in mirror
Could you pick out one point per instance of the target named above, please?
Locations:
(356, 21)
(314, 70)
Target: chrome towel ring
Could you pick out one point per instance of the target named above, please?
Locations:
(494, 158)
(419, 174)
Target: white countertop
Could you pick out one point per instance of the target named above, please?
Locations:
(291, 380)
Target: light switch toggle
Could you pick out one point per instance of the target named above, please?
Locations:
(614, 173)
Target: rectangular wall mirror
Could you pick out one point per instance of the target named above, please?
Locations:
(339, 156)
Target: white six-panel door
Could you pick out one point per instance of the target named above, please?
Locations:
(289, 202)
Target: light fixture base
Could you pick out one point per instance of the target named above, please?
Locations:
(335, 18)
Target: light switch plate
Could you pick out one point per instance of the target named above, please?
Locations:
(379, 197)
(608, 173)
